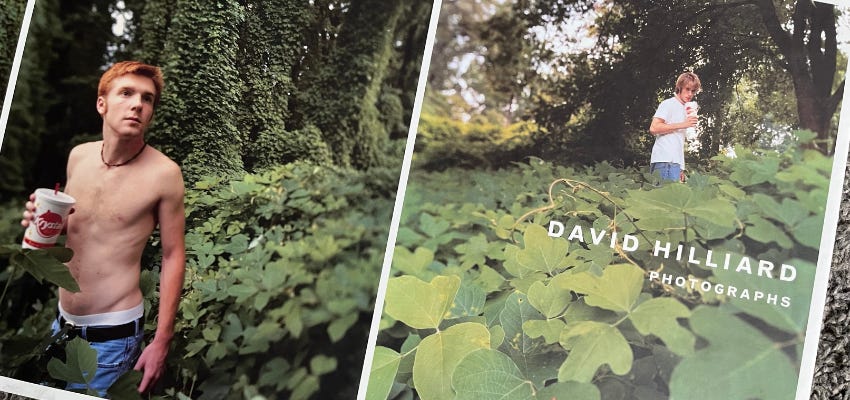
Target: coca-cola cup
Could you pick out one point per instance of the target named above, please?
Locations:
(51, 212)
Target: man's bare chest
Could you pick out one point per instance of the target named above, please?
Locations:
(112, 199)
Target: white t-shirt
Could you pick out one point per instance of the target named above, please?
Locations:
(670, 147)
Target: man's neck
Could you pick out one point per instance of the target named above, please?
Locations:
(119, 151)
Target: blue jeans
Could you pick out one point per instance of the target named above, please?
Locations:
(114, 357)
(669, 171)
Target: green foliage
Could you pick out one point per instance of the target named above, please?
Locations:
(195, 119)
(581, 314)
(282, 272)
(10, 28)
(342, 95)
(444, 142)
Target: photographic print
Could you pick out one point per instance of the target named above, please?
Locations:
(285, 120)
(619, 200)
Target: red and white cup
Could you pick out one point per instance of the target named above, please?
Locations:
(51, 213)
(691, 108)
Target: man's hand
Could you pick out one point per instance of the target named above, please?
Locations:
(152, 363)
(29, 211)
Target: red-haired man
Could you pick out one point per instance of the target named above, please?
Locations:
(124, 189)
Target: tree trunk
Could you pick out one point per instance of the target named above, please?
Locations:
(810, 58)
(341, 98)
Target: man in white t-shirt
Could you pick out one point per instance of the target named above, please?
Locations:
(669, 126)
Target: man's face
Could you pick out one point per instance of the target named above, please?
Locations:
(687, 93)
(127, 108)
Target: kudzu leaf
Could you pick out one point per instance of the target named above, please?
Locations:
(739, 362)
(764, 231)
(679, 200)
(753, 172)
(591, 345)
(617, 289)
(808, 231)
(540, 253)
(488, 279)
(551, 300)
(658, 317)
(569, 391)
(322, 364)
(47, 265)
(789, 212)
(792, 318)
(476, 250)
(489, 374)
(439, 354)
(549, 329)
(419, 304)
(533, 358)
(469, 301)
(80, 363)
(382, 375)
(126, 386)
(432, 226)
(415, 263)
(339, 326)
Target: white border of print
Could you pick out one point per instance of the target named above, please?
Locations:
(16, 65)
(35, 391)
(399, 201)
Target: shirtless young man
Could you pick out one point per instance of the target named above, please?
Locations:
(123, 189)
(669, 125)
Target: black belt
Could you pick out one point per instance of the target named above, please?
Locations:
(105, 333)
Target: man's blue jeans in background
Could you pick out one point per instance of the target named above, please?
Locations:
(669, 171)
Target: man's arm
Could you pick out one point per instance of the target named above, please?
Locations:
(658, 127)
(172, 222)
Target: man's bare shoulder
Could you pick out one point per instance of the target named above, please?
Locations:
(165, 167)
(84, 148)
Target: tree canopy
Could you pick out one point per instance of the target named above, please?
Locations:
(589, 73)
(249, 84)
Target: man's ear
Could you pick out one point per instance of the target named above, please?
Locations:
(101, 105)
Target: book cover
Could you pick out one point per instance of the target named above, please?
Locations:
(551, 245)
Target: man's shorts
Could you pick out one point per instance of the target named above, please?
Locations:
(669, 171)
(114, 356)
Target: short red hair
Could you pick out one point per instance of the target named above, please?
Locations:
(131, 67)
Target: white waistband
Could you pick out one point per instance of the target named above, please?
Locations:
(105, 319)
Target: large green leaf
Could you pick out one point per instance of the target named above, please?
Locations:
(540, 253)
(420, 304)
(569, 391)
(439, 354)
(384, 367)
(490, 375)
(80, 363)
(47, 265)
(469, 301)
(739, 362)
(676, 201)
(617, 289)
(658, 317)
(533, 358)
(551, 300)
(771, 306)
(126, 386)
(414, 263)
(753, 172)
(591, 345)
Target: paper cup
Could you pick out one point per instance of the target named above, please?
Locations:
(51, 212)
(691, 108)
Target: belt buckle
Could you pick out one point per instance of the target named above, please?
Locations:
(56, 346)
